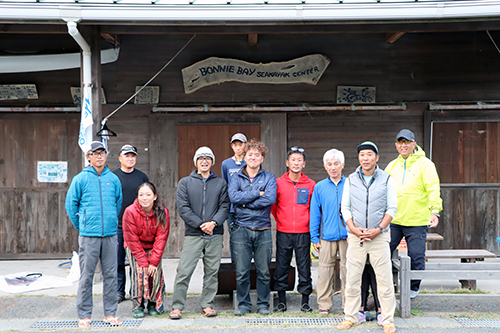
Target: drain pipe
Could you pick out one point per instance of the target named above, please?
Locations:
(86, 124)
(73, 31)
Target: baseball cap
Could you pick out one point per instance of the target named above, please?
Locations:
(95, 145)
(128, 149)
(239, 137)
(405, 134)
(203, 151)
(368, 145)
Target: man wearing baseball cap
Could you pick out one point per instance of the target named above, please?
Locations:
(232, 165)
(93, 203)
(419, 200)
(203, 204)
(369, 203)
(130, 179)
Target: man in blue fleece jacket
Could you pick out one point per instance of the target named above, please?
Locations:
(93, 203)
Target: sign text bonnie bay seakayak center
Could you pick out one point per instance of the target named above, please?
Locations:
(214, 70)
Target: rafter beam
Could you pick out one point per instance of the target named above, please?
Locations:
(392, 37)
(252, 39)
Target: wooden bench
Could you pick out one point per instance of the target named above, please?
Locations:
(444, 271)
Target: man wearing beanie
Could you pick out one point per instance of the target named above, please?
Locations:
(419, 200)
(369, 203)
(203, 204)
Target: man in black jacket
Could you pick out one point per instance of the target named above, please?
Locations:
(203, 204)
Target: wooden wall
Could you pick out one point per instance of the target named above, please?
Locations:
(452, 66)
(471, 218)
(33, 217)
(319, 132)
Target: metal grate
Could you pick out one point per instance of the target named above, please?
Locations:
(294, 321)
(468, 322)
(54, 324)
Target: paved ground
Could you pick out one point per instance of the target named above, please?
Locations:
(436, 312)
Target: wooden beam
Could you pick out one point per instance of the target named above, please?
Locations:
(112, 38)
(252, 39)
(393, 36)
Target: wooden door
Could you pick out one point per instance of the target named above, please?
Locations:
(217, 137)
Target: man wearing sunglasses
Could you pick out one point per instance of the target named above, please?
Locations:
(291, 212)
(130, 179)
(93, 203)
(419, 200)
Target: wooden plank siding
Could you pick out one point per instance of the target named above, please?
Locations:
(33, 218)
(444, 66)
(470, 220)
(467, 152)
(319, 132)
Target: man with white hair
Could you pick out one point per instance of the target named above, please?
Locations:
(203, 204)
(328, 231)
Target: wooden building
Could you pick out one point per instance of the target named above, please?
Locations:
(435, 67)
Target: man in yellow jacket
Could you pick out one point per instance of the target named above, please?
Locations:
(419, 200)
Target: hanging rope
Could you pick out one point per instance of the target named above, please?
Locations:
(488, 32)
(144, 86)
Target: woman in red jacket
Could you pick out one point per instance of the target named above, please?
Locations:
(146, 224)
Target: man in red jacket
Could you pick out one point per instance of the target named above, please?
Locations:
(291, 212)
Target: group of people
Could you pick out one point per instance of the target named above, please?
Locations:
(350, 216)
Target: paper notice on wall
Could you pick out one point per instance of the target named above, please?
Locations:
(308, 69)
(52, 172)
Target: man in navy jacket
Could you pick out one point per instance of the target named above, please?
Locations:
(252, 191)
(93, 203)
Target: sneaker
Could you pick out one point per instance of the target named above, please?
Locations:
(369, 316)
(121, 298)
(413, 293)
(361, 317)
(280, 308)
(306, 308)
(379, 318)
(241, 312)
(264, 311)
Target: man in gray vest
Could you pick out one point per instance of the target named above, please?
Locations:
(369, 203)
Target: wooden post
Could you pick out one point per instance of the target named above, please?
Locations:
(404, 284)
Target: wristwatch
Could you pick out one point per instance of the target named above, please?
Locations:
(381, 229)
(215, 223)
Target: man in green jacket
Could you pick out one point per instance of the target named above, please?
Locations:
(419, 201)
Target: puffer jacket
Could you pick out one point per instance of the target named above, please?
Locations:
(251, 209)
(418, 187)
(200, 201)
(142, 232)
(291, 210)
(93, 202)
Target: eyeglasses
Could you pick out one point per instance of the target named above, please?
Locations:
(300, 150)
(204, 158)
(101, 153)
(401, 141)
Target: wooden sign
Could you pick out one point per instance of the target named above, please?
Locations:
(355, 95)
(148, 96)
(308, 69)
(18, 91)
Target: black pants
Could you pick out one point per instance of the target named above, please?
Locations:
(286, 243)
(368, 280)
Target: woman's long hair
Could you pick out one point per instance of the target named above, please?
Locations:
(158, 206)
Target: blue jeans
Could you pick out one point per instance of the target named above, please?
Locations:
(248, 244)
(416, 237)
(230, 220)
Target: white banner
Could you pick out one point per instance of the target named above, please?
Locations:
(308, 69)
(85, 136)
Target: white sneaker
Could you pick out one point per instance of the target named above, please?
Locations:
(413, 293)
